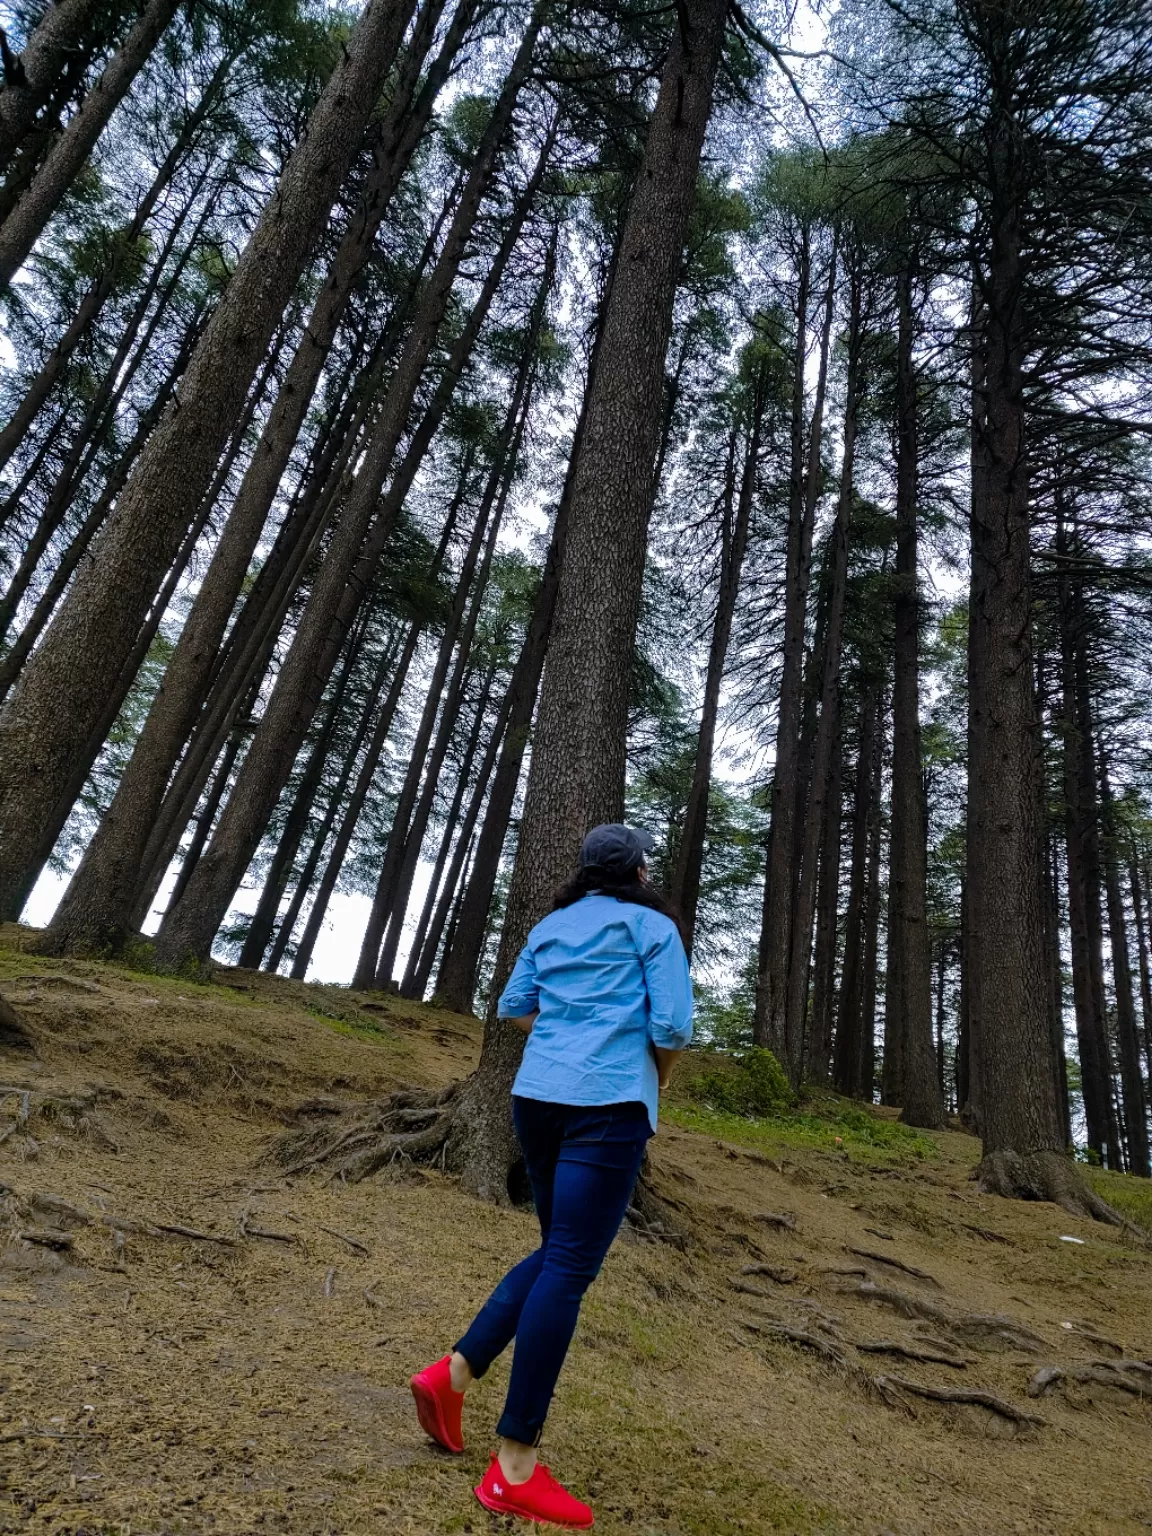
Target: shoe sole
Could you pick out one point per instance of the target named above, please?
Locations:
(431, 1416)
(521, 1514)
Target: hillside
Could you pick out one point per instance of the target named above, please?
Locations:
(253, 1378)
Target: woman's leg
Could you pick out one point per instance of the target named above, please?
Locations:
(494, 1326)
(592, 1187)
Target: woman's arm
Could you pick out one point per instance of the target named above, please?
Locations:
(669, 991)
(524, 1021)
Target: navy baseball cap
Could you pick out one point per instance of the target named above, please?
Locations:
(616, 847)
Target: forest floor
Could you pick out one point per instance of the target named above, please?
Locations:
(254, 1378)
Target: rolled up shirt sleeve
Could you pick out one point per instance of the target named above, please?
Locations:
(669, 984)
(521, 996)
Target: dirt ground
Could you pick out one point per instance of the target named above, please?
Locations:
(253, 1378)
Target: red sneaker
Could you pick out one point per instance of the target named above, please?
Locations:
(438, 1406)
(541, 1498)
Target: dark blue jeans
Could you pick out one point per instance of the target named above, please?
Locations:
(583, 1164)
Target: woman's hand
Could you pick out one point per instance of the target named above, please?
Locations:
(665, 1061)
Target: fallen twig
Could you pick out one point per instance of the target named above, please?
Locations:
(25, 1097)
(329, 1284)
(373, 1301)
(248, 1230)
(976, 1396)
(354, 1243)
(200, 1237)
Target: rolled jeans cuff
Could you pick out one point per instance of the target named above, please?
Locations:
(520, 1430)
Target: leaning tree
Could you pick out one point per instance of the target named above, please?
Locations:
(576, 777)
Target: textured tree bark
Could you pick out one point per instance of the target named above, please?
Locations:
(1082, 843)
(908, 1001)
(819, 1052)
(353, 553)
(94, 300)
(456, 979)
(63, 691)
(1134, 1105)
(769, 1023)
(577, 771)
(68, 29)
(1020, 1121)
(805, 906)
(847, 1054)
(100, 903)
(685, 889)
(25, 223)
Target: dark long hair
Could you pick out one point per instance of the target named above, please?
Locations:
(626, 886)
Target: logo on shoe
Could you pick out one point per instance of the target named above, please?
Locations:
(497, 1490)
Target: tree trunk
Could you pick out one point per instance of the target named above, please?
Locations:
(819, 1051)
(769, 1024)
(805, 908)
(296, 823)
(25, 223)
(1020, 1121)
(848, 1051)
(351, 558)
(68, 29)
(39, 618)
(99, 906)
(99, 416)
(63, 690)
(908, 1001)
(1136, 887)
(456, 979)
(1135, 1107)
(577, 773)
(788, 788)
(413, 968)
(685, 890)
(374, 968)
(447, 910)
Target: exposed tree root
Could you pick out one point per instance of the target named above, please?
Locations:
(1045, 1175)
(1134, 1376)
(14, 1032)
(773, 1271)
(891, 1263)
(910, 1352)
(979, 1330)
(785, 1221)
(449, 1129)
(411, 1125)
(973, 1395)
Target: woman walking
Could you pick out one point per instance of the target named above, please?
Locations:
(602, 990)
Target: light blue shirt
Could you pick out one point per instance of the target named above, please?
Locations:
(610, 980)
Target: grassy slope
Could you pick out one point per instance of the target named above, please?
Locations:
(185, 1386)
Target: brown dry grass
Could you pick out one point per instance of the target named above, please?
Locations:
(169, 1385)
